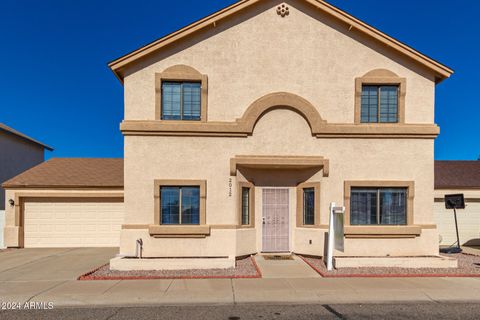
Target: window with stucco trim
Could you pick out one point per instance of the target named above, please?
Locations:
(181, 100)
(379, 104)
(181, 94)
(245, 206)
(378, 206)
(380, 98)
(180, 202)
(180, 205)
(309, 206)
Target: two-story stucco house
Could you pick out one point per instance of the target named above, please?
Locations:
(241, 129)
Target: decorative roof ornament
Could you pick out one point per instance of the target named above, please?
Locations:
(283, 10)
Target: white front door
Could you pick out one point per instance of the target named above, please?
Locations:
(275, 221)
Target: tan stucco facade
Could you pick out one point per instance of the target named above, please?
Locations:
(306, 65)
(307, 53)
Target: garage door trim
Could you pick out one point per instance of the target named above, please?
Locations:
(21, 197)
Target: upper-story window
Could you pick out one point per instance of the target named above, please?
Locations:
(380, 98)
(181, 100)
(379, 104)
(181, 94)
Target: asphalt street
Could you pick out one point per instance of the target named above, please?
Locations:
(424, 311)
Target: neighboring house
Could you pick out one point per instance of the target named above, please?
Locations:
(18, 153)
(241, 129)
(452, 177)
(66, 202)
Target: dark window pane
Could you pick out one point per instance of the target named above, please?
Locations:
(171, 100)
(245, 206)
(170, 197)
(181, 100)
(369, 107)
(393, 204)
(191, 101)
(389, 104)
(309, 206)
(363, 206)
(374, 96)
(190, 205)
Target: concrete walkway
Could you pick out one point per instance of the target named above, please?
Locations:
(295, 268)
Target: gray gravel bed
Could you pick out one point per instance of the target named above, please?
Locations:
(467, 265)
(244, 268)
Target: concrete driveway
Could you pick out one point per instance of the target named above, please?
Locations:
(54, 264)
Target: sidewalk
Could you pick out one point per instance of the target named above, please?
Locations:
(49, 275)
(233, 291)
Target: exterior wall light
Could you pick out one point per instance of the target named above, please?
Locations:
(11, 202)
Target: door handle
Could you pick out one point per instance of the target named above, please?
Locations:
(263, 220)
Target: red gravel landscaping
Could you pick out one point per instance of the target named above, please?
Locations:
(468, 266)
(245, 268)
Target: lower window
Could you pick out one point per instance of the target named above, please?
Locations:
(180, 205)
(378, 206)
(309, 206)
(245, 206)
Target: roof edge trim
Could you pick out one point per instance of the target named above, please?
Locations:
(21, 135)
(442, 71)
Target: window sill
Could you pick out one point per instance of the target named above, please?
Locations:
(382, 231)
(312, 226)
(380, 124)
(246, 226)
(179, 231)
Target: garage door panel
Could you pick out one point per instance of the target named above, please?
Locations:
(72, 223)
(468, 223)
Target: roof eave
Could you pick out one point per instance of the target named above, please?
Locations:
(441, 71)
(457, 187)
(23, 136)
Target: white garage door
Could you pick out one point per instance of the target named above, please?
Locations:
(72, 222)
(468, 223)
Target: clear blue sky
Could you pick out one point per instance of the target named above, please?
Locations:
(55, 85)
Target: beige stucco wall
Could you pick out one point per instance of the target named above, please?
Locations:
(317, 60)
(12, 227)
(468, 218)
(279, 132)
(252, 55)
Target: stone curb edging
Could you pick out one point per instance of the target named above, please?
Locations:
(89, 275)
(393, 275)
